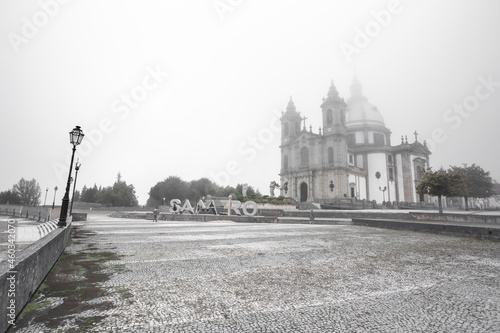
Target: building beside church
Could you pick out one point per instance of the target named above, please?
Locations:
(350, 156)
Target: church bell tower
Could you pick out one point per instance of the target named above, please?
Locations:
(290, 123)
(333, 108)
(335, 142)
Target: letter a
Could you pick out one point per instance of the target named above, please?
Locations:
(187, 207)
(16, 40)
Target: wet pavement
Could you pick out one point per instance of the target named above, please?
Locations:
(122, 275)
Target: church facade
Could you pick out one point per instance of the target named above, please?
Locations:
(350, 156)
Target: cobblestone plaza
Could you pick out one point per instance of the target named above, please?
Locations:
(239, 277)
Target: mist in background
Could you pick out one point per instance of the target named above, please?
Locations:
(195, 88)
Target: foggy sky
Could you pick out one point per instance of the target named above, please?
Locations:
(195, 88)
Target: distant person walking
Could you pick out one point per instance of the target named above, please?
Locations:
(311, 217)
(155, 214)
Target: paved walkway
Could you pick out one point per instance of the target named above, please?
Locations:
(123, 275)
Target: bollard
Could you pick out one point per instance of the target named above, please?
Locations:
(39, 216)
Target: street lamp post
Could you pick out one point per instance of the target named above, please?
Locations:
(54, 202)
(75, 138)
(383, 191)
(45, 200)
(77, 167)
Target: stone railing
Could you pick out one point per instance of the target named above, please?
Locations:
(25, 270)
(37, 213)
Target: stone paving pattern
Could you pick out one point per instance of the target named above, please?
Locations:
(238, 277)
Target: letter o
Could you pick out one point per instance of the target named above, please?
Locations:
(471, 106)
(370, 32)
(43, 16)
(275, 124)
(254, 207)
(266, 135)
(142, 93)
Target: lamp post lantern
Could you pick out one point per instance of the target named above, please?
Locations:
(75, 138)
(54, 202)
(77, 167)
(45, 200)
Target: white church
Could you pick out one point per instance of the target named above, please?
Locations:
(351, 156)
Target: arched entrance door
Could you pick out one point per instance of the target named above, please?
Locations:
(303, 192)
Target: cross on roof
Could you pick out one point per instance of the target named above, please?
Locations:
(416, 135)
(304, 119)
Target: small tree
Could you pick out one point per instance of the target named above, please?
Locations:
(123, 195)
(200, 188)
(28, 191)
(442, 183)
(172, 187)
(479, 182)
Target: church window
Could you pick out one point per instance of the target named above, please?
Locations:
(419, 167)
(285, 162)
(418, 172)
(351, 159)
(378, 139)
(330, 155)
(391, 174)
(389, 159)
(304, 157)
(286, 129)
(329, 118)
(351, 139)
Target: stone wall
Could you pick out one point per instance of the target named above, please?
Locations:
(32, 264)
(451, 217)
(473, 231)
(208, 218)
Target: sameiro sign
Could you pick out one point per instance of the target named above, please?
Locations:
(212, 204)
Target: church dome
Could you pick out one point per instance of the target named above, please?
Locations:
(359, 111)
